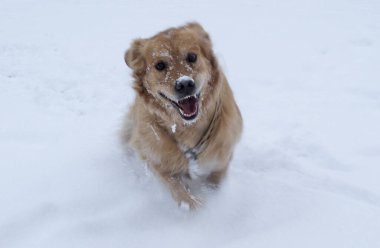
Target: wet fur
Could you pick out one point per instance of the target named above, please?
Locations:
(148, 125)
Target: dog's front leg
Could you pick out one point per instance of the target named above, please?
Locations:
(180, 191)
(167, 161)
(215, 177)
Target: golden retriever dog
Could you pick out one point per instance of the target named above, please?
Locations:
(184, 122)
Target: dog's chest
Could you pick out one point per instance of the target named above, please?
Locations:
(200, 169)
(197, 168)
(188, 142)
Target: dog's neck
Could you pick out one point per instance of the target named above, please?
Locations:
(194, 151)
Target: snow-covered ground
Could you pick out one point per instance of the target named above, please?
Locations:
(306, 75)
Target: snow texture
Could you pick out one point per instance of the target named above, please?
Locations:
(173, 128)
(184, 78)
(305, 174)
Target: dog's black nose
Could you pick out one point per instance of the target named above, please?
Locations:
(185, 86)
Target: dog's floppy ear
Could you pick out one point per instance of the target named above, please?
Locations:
(204, 41)
(206, 47)
(198, 29)
(134, 55)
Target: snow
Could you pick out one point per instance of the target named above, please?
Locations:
(173, 127)
(185, 206)
(305, 174)
(184, 78)
(194, 169)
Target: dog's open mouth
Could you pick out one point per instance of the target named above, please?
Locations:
(186, 106)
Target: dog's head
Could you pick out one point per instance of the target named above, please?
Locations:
(176, 69)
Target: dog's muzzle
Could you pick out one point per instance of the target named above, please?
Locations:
(188, 101)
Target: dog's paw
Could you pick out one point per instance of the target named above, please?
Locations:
(209, 187)
(190, 202)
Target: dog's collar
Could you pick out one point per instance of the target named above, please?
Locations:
(193, 153)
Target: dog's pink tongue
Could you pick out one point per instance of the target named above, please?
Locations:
(189, 105)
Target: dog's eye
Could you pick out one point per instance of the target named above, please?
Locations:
(160, 66)
(191, 57)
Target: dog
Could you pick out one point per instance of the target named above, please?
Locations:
(184, 122)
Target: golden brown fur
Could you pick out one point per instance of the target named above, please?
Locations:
(150, 123)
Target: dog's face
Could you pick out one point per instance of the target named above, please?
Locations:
(174, 67)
